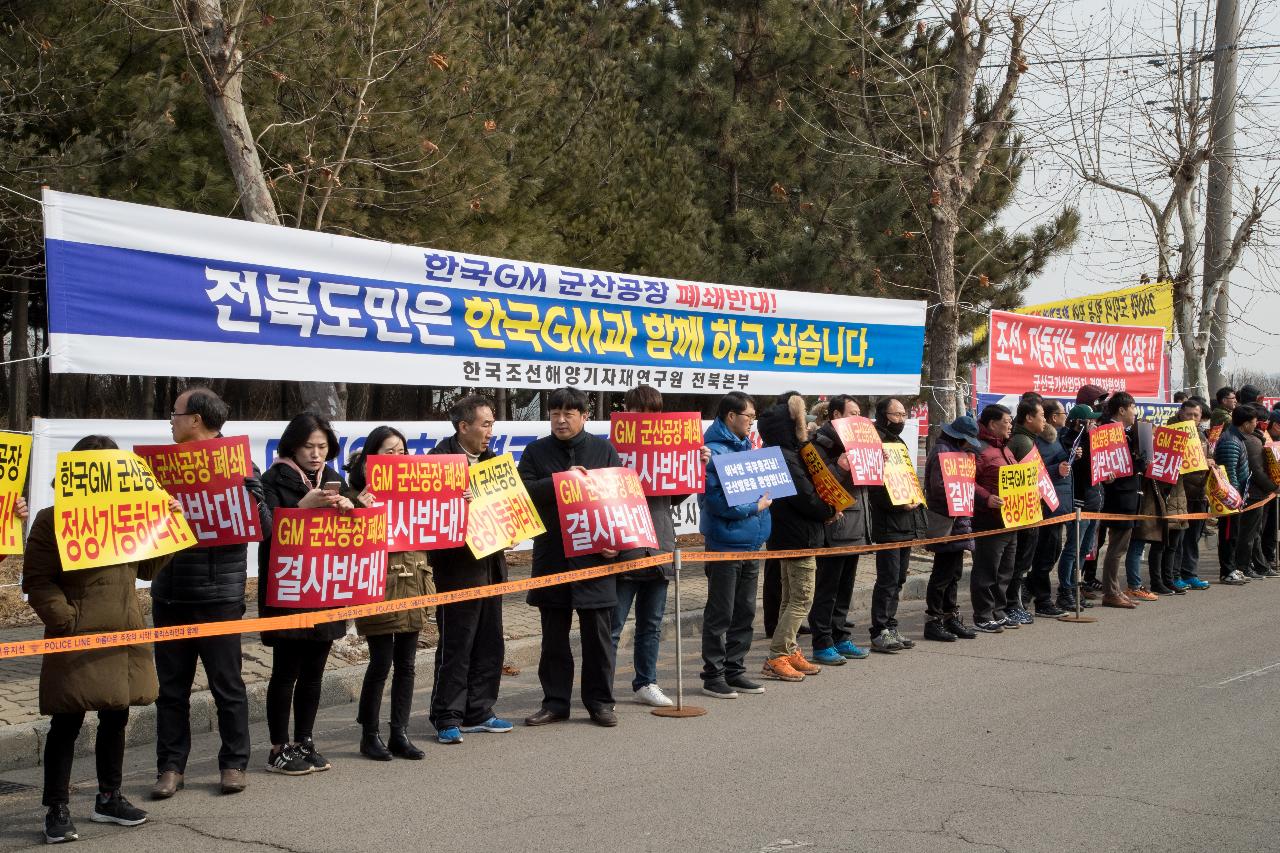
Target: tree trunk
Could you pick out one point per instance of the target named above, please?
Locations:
(19, 416)
(942, 329)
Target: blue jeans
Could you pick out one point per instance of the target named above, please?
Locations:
(651, 602)
(1133, 562)
(1067, 563)
(1191, 549)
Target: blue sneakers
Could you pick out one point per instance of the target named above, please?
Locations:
(450, 734)
(1196, 583)
(848, 650)
(829, 656)
(493, 724)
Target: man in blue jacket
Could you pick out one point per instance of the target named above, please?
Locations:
(1237, 533)
(731, 584)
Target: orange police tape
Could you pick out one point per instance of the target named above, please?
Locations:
(87, 642)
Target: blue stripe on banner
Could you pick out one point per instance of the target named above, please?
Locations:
(127, 293)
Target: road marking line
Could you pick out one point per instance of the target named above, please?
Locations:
(1251, 674)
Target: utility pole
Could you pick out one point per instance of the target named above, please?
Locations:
(1222, 140)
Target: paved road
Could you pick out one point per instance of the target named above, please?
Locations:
(1151, 730)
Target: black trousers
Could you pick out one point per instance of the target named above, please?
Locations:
(468, 668)
(1250, 532)
(944, 584)
(832, 595)
(385, 651)
(1023, 554)
(176, 670)
(1039, 581)
(60, 747)
(297, 670)
(728, 616)
(993, 558)
(1266, 555)
(1165, 559)
(1228, 532)
(771, 595)
(891, 574)
(555, 668)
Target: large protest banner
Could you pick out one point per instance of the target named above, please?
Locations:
(109, 509)
(747, 476)
(1019, 488)
(131, 287)
(1144, 305)
(863, 448)
(423, 499)
(824, 482)
(664, 449)
(1148, 410)
(327, 558)
(602, 509)
(207, 478)
(1109, 454)
(1053, 356)
(501, 513)
(15, 454)
(958, 472)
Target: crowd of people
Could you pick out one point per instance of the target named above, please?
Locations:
(1010, 585)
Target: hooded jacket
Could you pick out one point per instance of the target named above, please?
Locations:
(935, 492)
(1050, 446)
(724, 527)
(889, 522)
(994, 455)
(797, 519)
(854, 525)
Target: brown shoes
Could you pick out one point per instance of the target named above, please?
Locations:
(167, 784)
(780, 668)
(1141, 593)
(1117, 601)
(233, 781)
(543, 717)
(802, 666)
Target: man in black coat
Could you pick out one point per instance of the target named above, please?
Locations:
(568, 447)
(468, 667)
(202, 585)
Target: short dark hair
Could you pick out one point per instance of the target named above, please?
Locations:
(1204, 404)
(1241, 415)
(464, 411)
(1260, 410)
(1026, 409)
(1117, 401)
(643, 398)
(882, 406)
(1248, 394)
(1192, 403)
(568, 399)
(836, 406)
(1052, 407)
(1223, 393)
(96, 442)
(1031, 397)
(733, 403)
(991, 413)
(299, 430)
(209, 406)
(1179, 396)
(355, 465)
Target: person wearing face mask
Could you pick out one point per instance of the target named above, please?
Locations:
(469, 656)
(570, 447)
(993, 554)
(392, 637)
(1057, 456)
(1122, 496)
(300, 477)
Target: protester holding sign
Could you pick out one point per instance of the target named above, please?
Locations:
(15, 453)
(1088, 497)
(1056, 459)
(1261, 487)
(1165, 533)
(833, 583)
(731, 584)
(993, 556)
(470, 651)
(570, 447)
(203, 584)
(106, 680)
(1237, 533)
(1122, 495)
(797, 522)
(949, 470)
(298, 478)
(1269, 423)
(892, 522)
(392, 637)
(1194, 479)
(1028, 423)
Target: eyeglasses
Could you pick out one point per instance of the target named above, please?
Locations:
(173, 415)
(751, 416)
(902, 415)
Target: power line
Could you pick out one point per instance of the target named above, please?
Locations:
(1204, 56)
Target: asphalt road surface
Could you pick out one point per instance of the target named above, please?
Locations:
(1151, 730)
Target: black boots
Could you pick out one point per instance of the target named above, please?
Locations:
(371, 746)
(956, 626)
(402, 747)
(934, 630)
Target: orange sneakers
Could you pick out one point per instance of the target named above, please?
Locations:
(799, 664)
(1142, 594)
(780, 668)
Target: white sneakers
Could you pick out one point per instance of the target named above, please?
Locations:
(651, 694)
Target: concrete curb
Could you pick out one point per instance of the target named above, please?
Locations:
(22, 745)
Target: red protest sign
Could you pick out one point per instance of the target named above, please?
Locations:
(326, 558)
(603, 508)
(958, 470)
(1044, 482)
(1169, 448)
(1109, 453)
(1224, 498)
(423, 499)
(664, 449)
(1215, 433)
(862, 446)
(1056, 357)
(207, 477)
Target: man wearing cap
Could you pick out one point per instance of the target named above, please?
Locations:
(944, 621)
(1086, 495)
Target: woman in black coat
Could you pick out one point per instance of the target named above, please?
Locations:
(1121, 496)
(300, 478)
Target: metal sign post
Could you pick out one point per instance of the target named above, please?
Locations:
(681, 709)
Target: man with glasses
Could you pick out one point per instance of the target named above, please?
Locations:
(731, 584)
(202, 585)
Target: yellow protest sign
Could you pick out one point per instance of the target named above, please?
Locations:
(501, 513)
(827, 486)
(1193, 458)
(900, 476)
(108, 508)
(15, 452)
(1271, 453)
(1224, 498)
(1020, 491)
(1144, 305)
